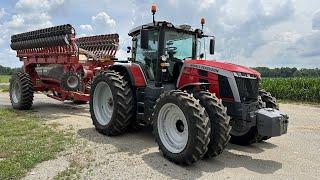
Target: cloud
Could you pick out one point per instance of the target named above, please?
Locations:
(316, 21)
(33, 6)
(103, 20)
(246, 36)
(2, 12)
(205, 4)
(86, 27)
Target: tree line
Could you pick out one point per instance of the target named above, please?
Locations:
(265, 71)
(288, 72)
(8, 70)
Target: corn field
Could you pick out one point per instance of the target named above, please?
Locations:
(296, 89)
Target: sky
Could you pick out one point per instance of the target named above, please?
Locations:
(272, 33)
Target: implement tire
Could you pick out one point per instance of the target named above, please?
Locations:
(219, 122)
(21, 91)
(181, 127)
(111, 103)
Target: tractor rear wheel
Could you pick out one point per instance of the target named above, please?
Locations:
(21, 91)
(219, 122)
(181, 127)
(111, 103)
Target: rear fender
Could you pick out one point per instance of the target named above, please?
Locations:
(133, 72)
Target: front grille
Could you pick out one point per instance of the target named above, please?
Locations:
(248, 89)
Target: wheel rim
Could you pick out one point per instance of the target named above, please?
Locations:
(172, 128)
(72, 82)
(16, 92)
(103, 103)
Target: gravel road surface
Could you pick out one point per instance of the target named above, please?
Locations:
(135, 155)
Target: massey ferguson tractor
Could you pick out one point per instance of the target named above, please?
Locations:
(57, 63)
(194, 105)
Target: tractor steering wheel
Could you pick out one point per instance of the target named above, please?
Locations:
(171, 49)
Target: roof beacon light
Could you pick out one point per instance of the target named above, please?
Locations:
(203, 21)
(153, 10)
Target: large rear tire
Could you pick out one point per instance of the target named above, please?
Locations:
(219, 122)
(21, 91)
(181, 127)
(111, 103)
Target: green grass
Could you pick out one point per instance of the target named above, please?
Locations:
(4, 88)
(293, 89)
(4, 78)
(25, 142)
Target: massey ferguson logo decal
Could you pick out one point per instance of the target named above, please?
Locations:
(205, 68)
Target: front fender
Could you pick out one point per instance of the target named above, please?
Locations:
(195, 86)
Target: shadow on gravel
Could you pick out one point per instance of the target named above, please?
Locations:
(135, 143)
(138, 143)
(51, 111)
(225, 160)
(254, 148)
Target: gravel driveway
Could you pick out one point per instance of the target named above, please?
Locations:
(135, 155)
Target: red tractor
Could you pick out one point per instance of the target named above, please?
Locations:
(59, 64)
(190, 102)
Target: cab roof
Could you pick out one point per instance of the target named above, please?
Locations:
(185, 28)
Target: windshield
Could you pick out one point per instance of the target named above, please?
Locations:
(179, 45)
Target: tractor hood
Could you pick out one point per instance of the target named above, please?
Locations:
(224, 66)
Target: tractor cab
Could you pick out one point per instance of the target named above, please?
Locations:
(160, 49)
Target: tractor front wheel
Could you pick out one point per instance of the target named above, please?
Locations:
(111, 103)
(252, 135)
(270, 102)
(21, 91)
(219, 121)
(181, 127)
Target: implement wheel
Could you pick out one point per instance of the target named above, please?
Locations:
(181, 127)
(111, 103)
(21, 91)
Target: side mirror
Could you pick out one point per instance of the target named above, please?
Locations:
(144, 39)
(128, 49)
(212, 44)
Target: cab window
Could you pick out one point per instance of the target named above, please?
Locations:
(147, 58)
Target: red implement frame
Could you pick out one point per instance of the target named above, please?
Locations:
(104, 46)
